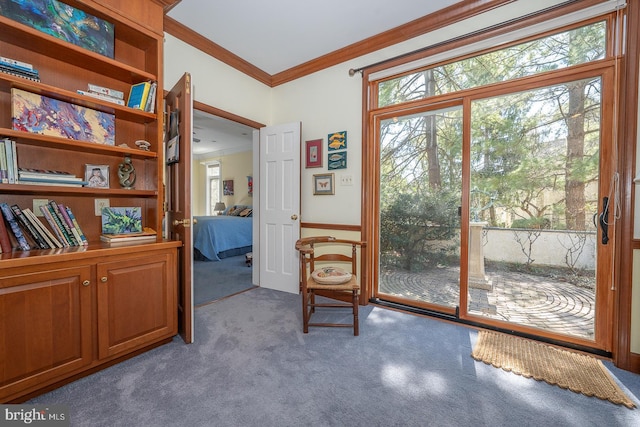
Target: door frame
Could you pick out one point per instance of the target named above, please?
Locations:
(603, 341)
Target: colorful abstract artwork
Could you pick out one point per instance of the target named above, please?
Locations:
(34, 113)
(64, 22)
(121, 220)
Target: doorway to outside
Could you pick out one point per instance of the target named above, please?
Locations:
(494, 203)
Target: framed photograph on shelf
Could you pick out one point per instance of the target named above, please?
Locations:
(97, 176)
(314, 154)
(323, 183)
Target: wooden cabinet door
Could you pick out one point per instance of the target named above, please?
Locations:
(136, 302)
(45, 327)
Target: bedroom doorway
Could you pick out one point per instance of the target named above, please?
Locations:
(227, 140)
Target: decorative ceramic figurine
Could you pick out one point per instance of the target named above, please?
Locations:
(127, 173)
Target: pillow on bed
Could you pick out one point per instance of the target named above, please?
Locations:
(246, 212)
(235, 211)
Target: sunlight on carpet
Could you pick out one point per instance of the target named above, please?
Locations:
(569, 370)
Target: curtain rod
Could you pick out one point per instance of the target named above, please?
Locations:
(353, 71)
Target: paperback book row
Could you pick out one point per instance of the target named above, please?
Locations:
(142, 96)
(10, 173)
(18, 69)
(22, 230)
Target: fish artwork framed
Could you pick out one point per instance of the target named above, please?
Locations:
(337, 140)
(337, 160)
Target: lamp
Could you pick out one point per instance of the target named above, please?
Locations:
(219, 207)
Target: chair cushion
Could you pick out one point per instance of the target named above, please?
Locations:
(331, 275)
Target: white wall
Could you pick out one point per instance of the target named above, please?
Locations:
(330, 100)
(216, 83)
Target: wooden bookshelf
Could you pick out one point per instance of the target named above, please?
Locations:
(82, 308)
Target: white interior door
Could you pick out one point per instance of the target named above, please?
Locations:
(279, 206)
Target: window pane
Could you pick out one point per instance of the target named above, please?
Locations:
(420, 192)
(577, 46)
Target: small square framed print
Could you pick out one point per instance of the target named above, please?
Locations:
(323, 183)
(314, 153)
(337, 160)
(97, 176)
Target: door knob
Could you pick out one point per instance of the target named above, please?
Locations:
(184, 222)
(294, 217)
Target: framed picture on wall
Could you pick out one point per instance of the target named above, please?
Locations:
(314, 153)
(323, 184)
(227, 187)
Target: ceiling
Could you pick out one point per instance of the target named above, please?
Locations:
(217, 136)
(278, 35)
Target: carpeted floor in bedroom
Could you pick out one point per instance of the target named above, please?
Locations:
(213, 280)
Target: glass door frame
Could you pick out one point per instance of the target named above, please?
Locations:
(605, 69)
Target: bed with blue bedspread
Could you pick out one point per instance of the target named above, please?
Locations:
(216, 237)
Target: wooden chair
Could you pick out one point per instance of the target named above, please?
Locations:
(337, 254)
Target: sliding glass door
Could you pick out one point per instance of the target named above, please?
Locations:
(420, 199)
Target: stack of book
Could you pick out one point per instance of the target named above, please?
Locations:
(22, 230)
(19, 69)
(8, 161)
(49, 177)
(142, 96)
(103, 93)
(147, 235)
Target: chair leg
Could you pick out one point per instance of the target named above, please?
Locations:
(305, 312)
(356, 328)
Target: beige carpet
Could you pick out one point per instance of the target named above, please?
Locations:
(573, 371)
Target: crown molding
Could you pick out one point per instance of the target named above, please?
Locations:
(455, 13)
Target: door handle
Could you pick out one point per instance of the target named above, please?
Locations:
(603, 219)
(294, 217)
(184, 222)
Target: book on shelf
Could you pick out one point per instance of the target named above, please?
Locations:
(77, 233)
(14, 227)
(52, 181)
(45, 173)
(46, 212)
(4, 173)
(5, 242)
(19, 69)
(150, 106)
(146, 235)
(14, 62)
(138, 95)
(29, 229)
(101, 97)
(61, 223)
(52, 240)
(8, 161)
(113, 93)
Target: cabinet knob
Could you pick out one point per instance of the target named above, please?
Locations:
(103, 279)
(86, 283)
